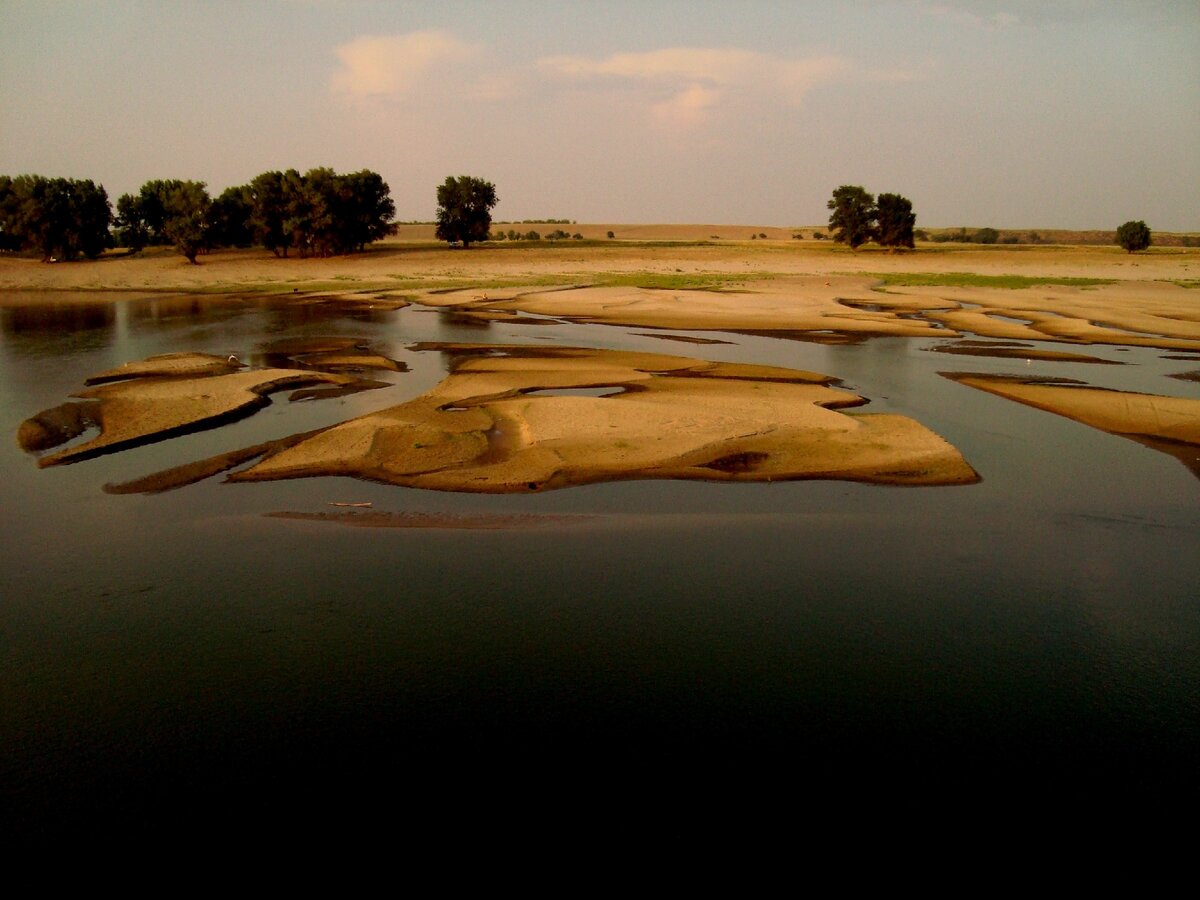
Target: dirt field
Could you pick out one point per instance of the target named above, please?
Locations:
(637, 249)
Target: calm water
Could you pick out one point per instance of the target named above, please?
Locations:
(1035, 634)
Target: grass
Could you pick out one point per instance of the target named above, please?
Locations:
(1187, 282)
(678, 281)
(970, 279)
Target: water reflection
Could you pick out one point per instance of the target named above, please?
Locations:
(57, 318)
(1034, 635)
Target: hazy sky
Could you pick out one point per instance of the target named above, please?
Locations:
(1070, 114)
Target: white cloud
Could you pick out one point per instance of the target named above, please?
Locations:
(700, 79)
(393, 64)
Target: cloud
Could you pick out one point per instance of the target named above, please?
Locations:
(697, 80)
(394, 64)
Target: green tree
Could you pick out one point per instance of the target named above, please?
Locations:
(59, 217)
(132, 231)
(465, 209)
(229, 219)
(1134, 236)
(267, 212)
(853, 218)
(987, 236)
(367, 212)
(186, 217)
(895, 221)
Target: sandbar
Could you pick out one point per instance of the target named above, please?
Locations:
(509, 419)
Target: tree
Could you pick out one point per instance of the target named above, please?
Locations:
(465, 209)
(895, 221)
(229, 219)
(1134, 236)
(366, 212)
(59, 217)
(186, 217)
(853, 217)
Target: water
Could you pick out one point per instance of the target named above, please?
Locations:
(180, 653)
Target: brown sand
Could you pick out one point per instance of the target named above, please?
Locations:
(133, 412)
(1026, 353)
(1169, 424)
(178, 365)
(499, 424)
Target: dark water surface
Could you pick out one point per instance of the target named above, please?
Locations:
(1037, 634)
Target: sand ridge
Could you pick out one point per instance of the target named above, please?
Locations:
(501, 422)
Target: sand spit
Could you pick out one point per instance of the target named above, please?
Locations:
(965, 348)
(1169, 424)
(850, 307)
(787, 304)
(141, 410)
(512, 419)
(176, 365)
(476, 522)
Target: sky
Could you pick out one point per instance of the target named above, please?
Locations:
(1003, 113)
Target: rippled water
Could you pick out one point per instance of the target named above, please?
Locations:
(163, 654)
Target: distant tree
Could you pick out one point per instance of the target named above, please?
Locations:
(1134, 236)
(895, 220)
(59, 217)
(366, 211)
(853, 217)
(131, 223)
(987, 236)
(186, 223)
(229, 219)
(610, 235)
(267, 213)
(465, 209)
(532, 235)
(577, 236)
(152, 205)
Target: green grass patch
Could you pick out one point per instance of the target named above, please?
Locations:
(1186, 282)
(970, 279)
(678, 281)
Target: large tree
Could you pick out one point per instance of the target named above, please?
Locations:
(1134, 236)
(895, 221)
(853, 218)
(59, 217)
(186, 217)
(465, 209)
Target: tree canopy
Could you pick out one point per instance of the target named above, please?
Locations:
(853, 218)
(895, 221)
(59, 217)
(1134, 236)
(856, 218)
(465, 209)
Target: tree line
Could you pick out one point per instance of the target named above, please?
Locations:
(323, 213)
(318, 213)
